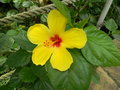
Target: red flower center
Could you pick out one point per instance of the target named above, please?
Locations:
(54, 41)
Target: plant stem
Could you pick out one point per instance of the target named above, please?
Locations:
(104, 13)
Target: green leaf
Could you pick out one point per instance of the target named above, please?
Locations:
(22, 40)
(91, 28)
(39, 85)
(44, 82)
(26, 75)
(6, 88)
(5, 1)
(111, 25)
(82, 23)
(15, 80)
(12, 32)
(1, 15)
(42, 85)
(15, 47)
(27, 4)
(96, 77)
(116, 32)
(83, 15)
(4, 69)
(2, 60)
(5, 43)
(96, 0)
(116, 36)
(63, 9)
(18, 3)
(100, 50)
(78, 77)
(11, 12)
(39, 71)
(43, 18)
(19, 58)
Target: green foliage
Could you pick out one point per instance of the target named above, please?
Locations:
(17, 3)
(22, 40)
(11, 12)
(100, 50)
(116, 32)
(15, 81)
(39, 85)
(5, 43)
(26, 75)
(82, 23)
(96, 0)
(39, 71)
(111, 25)
(4, 69)
(12, 33)
(4, 82)
(42, 85)
(27, 4)
(2, 60)
(19, 58)
(95, 77)
(23, 3)
(43, 18)
(116, 36)
(6, 88)
(78, 77)
(5, 1)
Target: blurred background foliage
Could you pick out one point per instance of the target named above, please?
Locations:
(13, 38)
(82, 9)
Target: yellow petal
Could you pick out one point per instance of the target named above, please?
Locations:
(56, 21)
(74, 38)
(61, 59)
(41, 55)
(38, 33)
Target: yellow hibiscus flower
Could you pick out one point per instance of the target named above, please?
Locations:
(53, 41)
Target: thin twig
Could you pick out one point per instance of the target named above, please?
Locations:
(104, 13)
